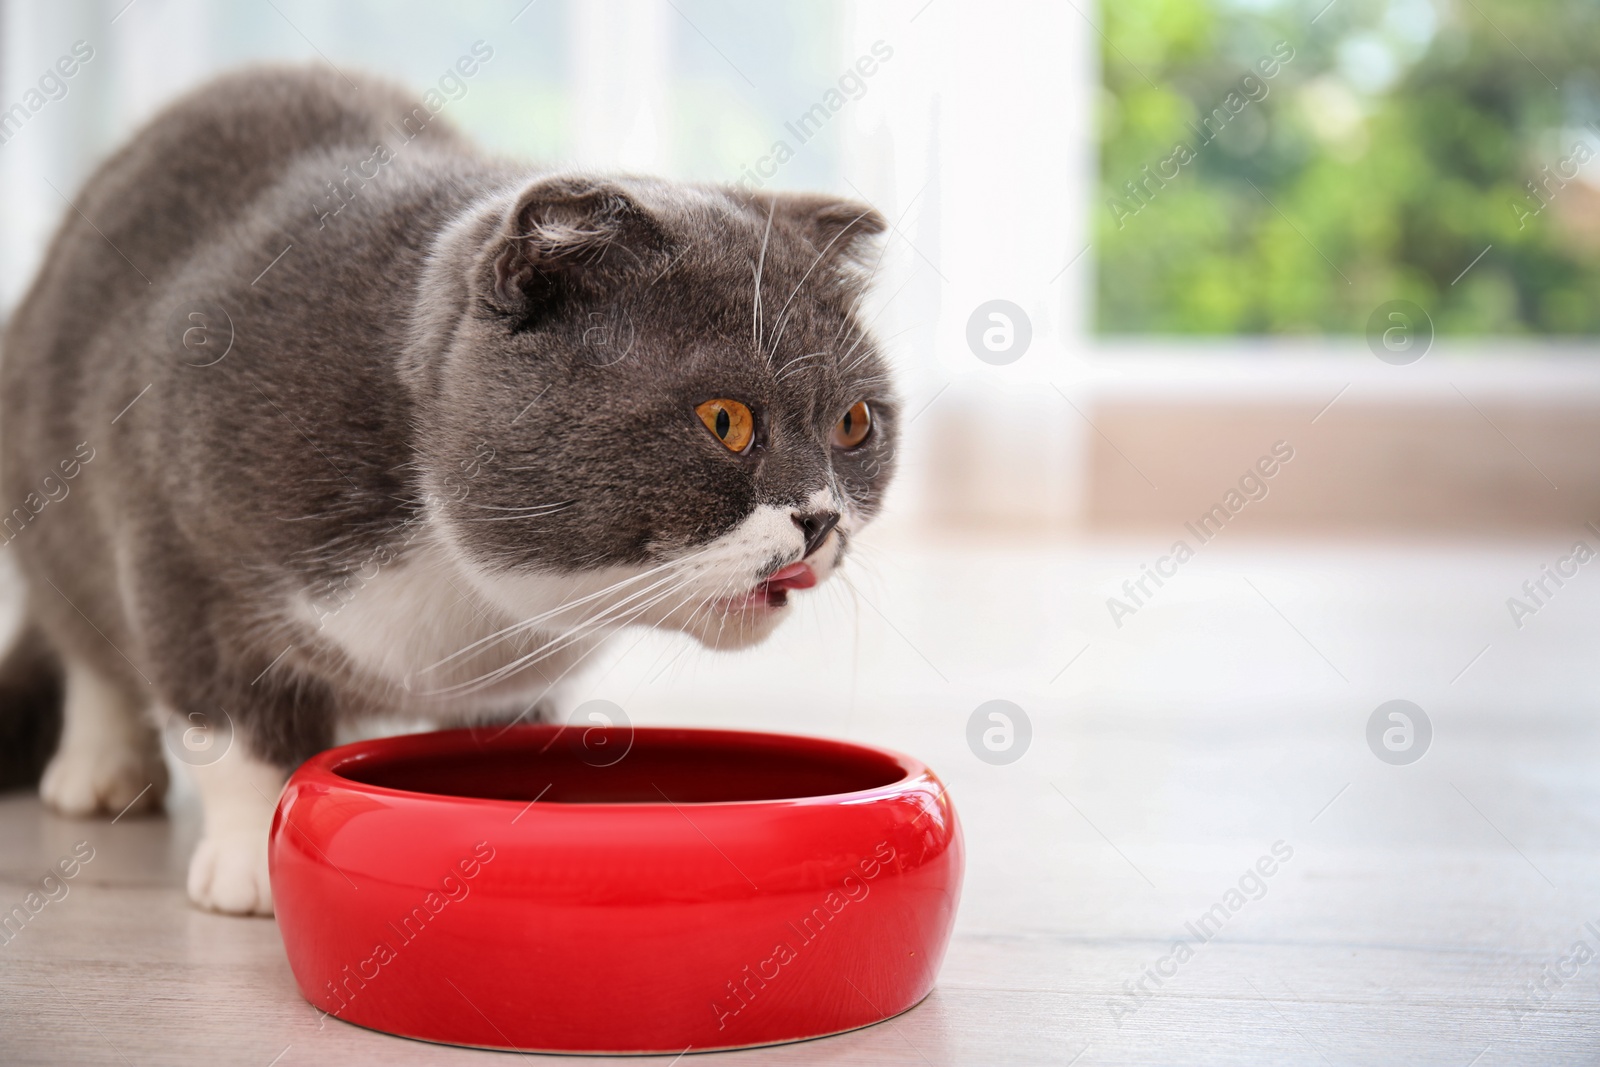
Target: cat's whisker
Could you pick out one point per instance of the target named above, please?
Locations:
(857, 300)
(783, 315)
(599, 618)
(527, 626)
(610, 618)
(546, 508)
(540, 511)
(884, 341)
(864, 335)
(590, 651)
(790, 367)
(727, 609)
(529, 623)
(510, 518)
(761, 266)
(551, 683)
(862, 292)
(602, 621)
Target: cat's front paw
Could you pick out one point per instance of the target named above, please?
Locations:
(228, 873)
(104, 777)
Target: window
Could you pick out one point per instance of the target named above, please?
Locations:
(1285, 167)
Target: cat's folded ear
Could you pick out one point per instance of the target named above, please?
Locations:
(566, 235)
(840, 230)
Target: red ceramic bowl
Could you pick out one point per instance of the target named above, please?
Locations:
(614, 890)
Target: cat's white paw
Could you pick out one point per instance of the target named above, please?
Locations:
(104, 775)
(228, 873)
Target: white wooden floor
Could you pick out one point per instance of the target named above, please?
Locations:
(1418, 907)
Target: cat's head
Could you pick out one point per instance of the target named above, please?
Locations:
(662, 391)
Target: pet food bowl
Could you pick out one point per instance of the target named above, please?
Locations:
(619, 890)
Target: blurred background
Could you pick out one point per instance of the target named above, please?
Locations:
(1143, 254)
(1199, 207)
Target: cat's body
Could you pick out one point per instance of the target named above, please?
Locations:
(417, 454)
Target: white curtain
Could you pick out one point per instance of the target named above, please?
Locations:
(967, 125)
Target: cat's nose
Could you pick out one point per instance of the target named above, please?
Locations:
(815, 526)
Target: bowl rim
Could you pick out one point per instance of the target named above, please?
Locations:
(327, 767)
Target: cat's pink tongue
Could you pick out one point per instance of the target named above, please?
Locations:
(794, 576)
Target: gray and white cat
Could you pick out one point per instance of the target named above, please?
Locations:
(315, 413)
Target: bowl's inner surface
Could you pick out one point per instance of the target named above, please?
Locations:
(578, 765)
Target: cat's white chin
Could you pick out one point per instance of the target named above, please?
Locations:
(737, 628)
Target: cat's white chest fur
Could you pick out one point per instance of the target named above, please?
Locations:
(430, 633)
(419, 636)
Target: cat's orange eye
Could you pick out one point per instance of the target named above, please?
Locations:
(851, 430)
(730, 421)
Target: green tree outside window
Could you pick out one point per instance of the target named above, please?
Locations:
(1285, 167)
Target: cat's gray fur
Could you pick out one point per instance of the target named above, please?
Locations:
(466, 337)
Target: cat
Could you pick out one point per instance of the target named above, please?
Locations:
(361, 421)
